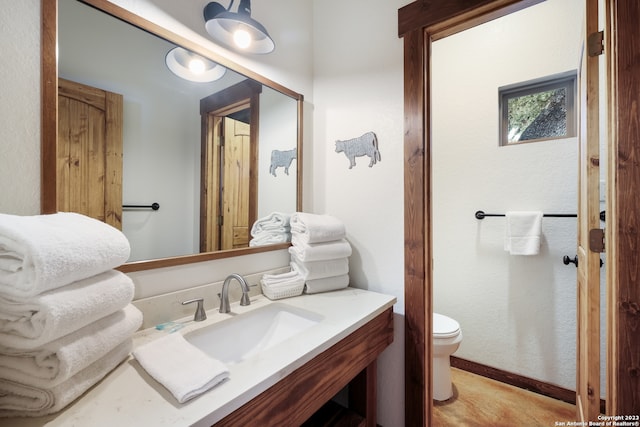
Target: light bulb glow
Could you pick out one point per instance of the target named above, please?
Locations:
(242, 38)
(197, 66)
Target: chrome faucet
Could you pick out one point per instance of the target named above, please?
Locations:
(200, 314)
(224, 296)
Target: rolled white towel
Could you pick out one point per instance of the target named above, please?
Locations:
(270, 238)
(33, 322)
(326, 284)
(319, 269)
(313, 228)
(44, 252)
(319, 251)
(57, 361)
(274, 222)
(274, 279)
(19, 400)
(180, 367)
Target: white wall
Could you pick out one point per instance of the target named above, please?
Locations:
(358, 87)
(277, 132)
(517, 313)
(20, 107)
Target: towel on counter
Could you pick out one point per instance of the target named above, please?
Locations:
(319, 269)
(180, 367)
(522, 232)
(274, 279)
(288, 284)
(307, 252)
(56, 362)
(19, 400)
(326, 284)
(274, 222)
(313, 228)
(43, 252)
(32, 322)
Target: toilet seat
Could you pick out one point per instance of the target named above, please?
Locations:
(444, 327)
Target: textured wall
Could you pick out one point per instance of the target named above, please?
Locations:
(517, 313)
(20, 107)
(358, 84)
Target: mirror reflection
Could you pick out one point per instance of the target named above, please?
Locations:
(133, 133)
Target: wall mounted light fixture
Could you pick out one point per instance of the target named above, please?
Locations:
(237, 29)
(190, 66)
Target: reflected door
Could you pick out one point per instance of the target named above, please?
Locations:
(89, 155)
(234, 188)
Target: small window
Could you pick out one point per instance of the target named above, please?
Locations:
(538, 110)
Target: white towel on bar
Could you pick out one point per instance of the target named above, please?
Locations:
(319, 269)
(326, 284)
(19, 400)
(43, 252)
(313, 228)
(33, 322)
(180, 367)
(307, 252)
(522, 232)
(57, 361)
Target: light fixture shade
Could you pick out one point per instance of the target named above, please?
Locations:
(178, 60)
(222, 25)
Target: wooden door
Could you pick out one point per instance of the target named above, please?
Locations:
(235, 184)
(588, 295)
(89, 152)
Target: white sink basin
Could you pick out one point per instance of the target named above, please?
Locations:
(246, 335)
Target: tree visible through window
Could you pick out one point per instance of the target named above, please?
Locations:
(538, 110)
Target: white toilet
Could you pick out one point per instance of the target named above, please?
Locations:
(446, 340)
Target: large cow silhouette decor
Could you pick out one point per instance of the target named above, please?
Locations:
(365, 145)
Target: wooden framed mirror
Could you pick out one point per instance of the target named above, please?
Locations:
(82, 58)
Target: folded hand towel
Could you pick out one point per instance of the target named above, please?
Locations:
(319, 251)
(180, 367)
(522, 233)
(32, 322)
(44, 252)
(319, 269)
(19, 400)
(56, 362)
(326, 284)
(312, 228)
(274, 279)
(282, 285)
(270, 238)
(275, 221)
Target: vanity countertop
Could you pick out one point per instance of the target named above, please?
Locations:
(128, 396)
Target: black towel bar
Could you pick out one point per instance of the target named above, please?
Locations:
(154, 206)
(482, 215)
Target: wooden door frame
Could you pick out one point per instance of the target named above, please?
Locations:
(248, 93)
(421, 22)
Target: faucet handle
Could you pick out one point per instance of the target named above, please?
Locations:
(200, 314)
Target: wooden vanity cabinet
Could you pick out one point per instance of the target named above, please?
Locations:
(298, 396)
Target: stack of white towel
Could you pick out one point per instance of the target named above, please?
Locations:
(271, 229)
(65, 314)
(319, 252)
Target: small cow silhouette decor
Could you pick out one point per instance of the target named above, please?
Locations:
(365, 145)
(282, 159)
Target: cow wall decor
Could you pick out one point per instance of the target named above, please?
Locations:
(282, 159)
(365, 145)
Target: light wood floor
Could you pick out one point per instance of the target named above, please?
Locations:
(482, 402)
